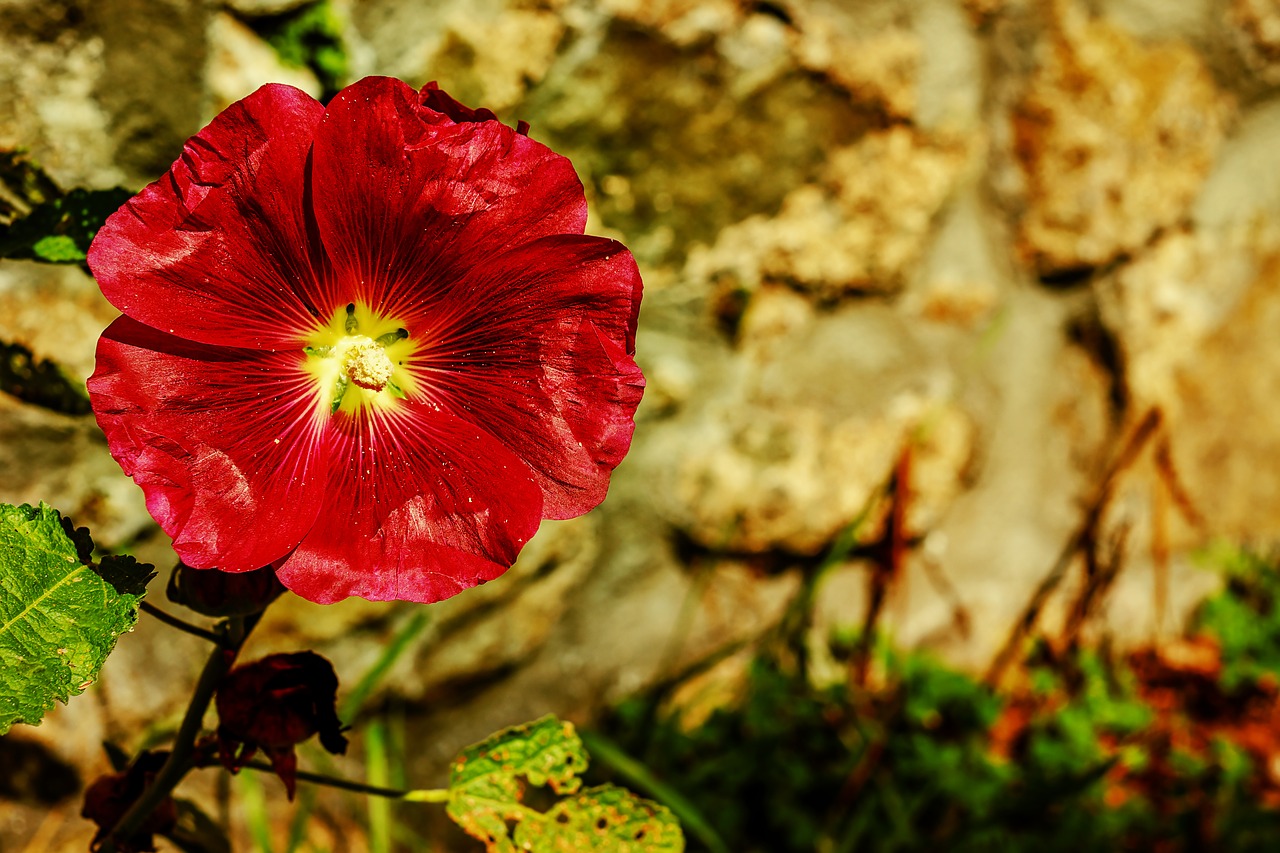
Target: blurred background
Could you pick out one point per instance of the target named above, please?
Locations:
(948, 517)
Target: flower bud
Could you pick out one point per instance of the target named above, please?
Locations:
(214, 593)
(274, 703)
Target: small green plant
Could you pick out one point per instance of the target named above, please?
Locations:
(1165, 748)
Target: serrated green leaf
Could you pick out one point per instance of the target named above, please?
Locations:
(487, 784)
(60, 615)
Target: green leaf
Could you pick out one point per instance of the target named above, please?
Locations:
(60, 614)
(488, 780)
(57, 249)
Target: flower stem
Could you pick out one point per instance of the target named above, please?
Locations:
(421, 795)
(181, 756)
(180, 624)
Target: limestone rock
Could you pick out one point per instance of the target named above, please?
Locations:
(56, 311)
(481, 53)
(877, 65)
(50, 71)
(1226, 434)
(800, 435)
(1244, 187)
(1255, 26)
(240, 62)
(683, 22)
(1114, 139)
(261, 8)
(958, 280)
(1162, 306)
(861, 229)
(152, 85)
(63, 461)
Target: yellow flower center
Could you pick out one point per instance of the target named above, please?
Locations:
(365, 361)
(357, 360)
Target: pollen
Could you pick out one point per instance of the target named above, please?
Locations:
(366, 363)
(358, 359)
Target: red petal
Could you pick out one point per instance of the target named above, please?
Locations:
(421, 506)
(217, 250)
(404, 196)
(536, 348)
(221, 440)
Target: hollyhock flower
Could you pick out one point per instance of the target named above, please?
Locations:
(366, 344)
(274, 704)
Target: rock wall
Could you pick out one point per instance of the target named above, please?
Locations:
(945, 255)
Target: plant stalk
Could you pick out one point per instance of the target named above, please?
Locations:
(182, 755)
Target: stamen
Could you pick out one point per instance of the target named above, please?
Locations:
(352, 324)
(391, 337)
(367, 364)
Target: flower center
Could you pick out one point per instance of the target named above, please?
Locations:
(357, 360)
(365, 362)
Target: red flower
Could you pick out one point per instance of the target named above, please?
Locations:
(368, 345)
(273, 704)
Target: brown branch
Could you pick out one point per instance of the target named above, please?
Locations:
(1084, 534)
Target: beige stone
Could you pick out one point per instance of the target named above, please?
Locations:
(49, 109)
(56, 311)
(1163, 306)
(1224, 426)
(259, 8)
(879, 68)
(1114, 138)
(63, 461)
(684, 22)
(240, 62)
(510, 52)
(861, 229)
(1255, 27)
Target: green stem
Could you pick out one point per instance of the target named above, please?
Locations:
(181, 757)
(180, 624)
(422, 795)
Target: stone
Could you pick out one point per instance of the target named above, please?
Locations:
(484, 54)
(876, 62)
(958, 281)
(52, 63)
(1114, 139)
(951, 80)
(152, 83)
(1255, 28)
(861, 229)
(263, 8)
(683, 22)
(1163, 305)
(63, 461)
(240, 62)
(675, 156)
(1225, 435)
(56, 311)
(800, 437)
(1244, 187)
